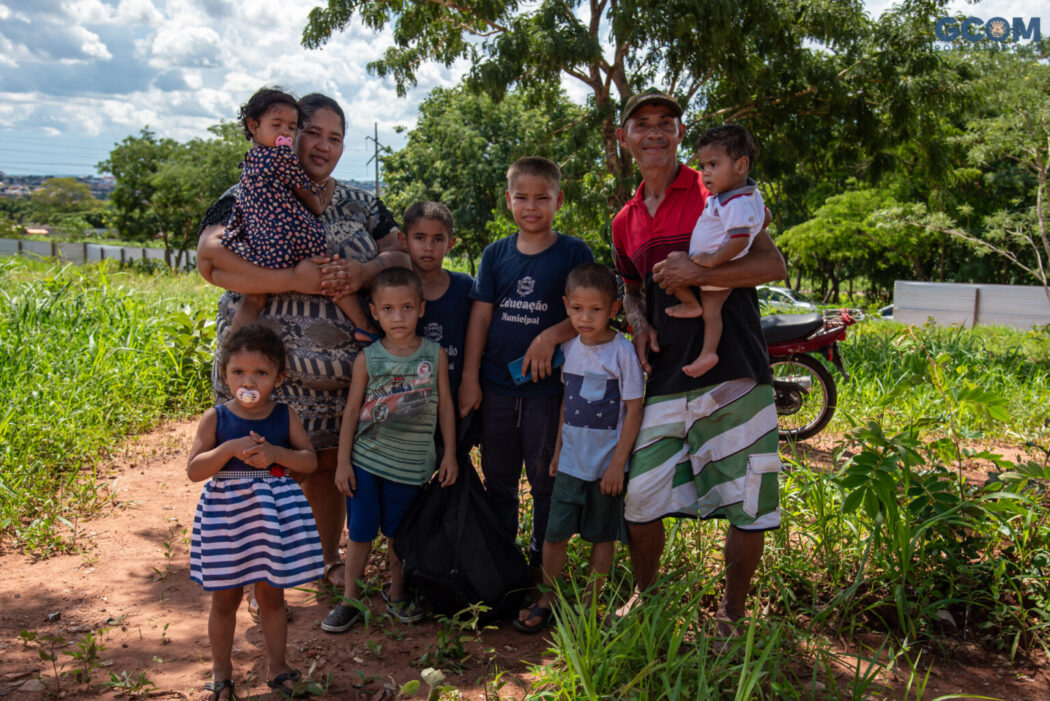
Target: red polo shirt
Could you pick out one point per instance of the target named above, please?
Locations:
(639, 242)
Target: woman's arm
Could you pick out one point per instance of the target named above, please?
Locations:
(762, 264)
(392, 254)
(223, 268)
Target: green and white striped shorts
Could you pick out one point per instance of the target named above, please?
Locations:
(708, 453)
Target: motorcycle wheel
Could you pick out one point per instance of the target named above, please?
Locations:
(805, 396)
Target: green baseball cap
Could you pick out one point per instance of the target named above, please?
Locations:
(652, 96)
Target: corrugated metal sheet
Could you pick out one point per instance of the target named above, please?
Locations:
(948, 303)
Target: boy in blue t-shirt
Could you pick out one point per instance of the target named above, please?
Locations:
(427, 236)
(518, 313)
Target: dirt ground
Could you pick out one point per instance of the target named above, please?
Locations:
(131, 578)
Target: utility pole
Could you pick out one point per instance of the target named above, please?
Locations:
(375, 140)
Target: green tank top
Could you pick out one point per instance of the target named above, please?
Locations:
(395, 432)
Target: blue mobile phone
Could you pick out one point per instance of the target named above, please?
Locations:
(515, 367)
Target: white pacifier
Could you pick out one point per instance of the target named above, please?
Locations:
(247, 396)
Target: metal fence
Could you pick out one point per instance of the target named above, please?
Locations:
(947, 303)
(80, 253)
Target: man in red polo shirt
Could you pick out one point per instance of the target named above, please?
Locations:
(708, 445)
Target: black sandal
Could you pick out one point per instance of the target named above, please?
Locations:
(293, 676)
(217, 687)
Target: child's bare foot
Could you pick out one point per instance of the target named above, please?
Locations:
(685, 311)
(701, 365)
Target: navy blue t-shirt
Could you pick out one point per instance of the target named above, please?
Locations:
(526, 292)
(444, 322)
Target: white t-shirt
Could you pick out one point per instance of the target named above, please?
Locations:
(734, 213)
(598, 379)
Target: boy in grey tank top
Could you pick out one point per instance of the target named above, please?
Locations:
(399, 393)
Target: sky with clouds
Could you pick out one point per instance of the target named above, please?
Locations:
(77, 76)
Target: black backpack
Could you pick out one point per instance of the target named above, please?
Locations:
(455, 553)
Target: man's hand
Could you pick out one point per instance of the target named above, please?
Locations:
(645, 341)
(678, 270)
(538, 358)
(612, 481)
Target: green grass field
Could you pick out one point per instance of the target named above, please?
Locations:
(889, 540)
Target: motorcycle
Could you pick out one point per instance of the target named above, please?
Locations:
(804, 390)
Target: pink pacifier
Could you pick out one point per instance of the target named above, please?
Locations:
(247, 396)
(283, 140)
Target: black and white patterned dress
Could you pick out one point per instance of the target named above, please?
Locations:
(318, 336)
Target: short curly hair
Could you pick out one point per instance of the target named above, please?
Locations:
(259, 103)
(258, 338)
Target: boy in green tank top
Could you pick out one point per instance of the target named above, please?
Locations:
(399, 393)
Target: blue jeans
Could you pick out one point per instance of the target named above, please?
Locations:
(518, 430)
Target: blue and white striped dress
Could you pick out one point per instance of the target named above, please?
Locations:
(251, 526)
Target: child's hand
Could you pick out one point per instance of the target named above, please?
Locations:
(553, 469)
(241, 445)
(703, 259)
(345, 481)
(469, 396)
(612, 481)
(448, 472)
(262, 454)
(538, 358)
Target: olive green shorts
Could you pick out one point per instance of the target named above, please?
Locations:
(578, 506)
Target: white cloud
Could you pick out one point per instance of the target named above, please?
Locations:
(91, 44)
(175, 46)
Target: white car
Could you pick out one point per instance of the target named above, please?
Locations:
(770, 296)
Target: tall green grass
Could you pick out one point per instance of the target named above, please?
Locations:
(1012, 362)
(87, 355)
(892, 549)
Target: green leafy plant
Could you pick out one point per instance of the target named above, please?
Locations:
(134, 685)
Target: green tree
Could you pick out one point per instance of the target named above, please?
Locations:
(134, 162)
(188, 180)
(850, 238)
(66, 204)
(1008, 144)
(817, 80)
(461, 146)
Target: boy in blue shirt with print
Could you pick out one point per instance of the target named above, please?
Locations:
(427, 236)
(518, 313)
(600, 418)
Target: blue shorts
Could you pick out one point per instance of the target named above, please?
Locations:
(377, 502)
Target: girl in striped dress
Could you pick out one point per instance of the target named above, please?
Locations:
(253, 524)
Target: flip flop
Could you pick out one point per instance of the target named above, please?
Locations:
(534, 611)
(217, 687)
(363, 336)
(293, 676)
